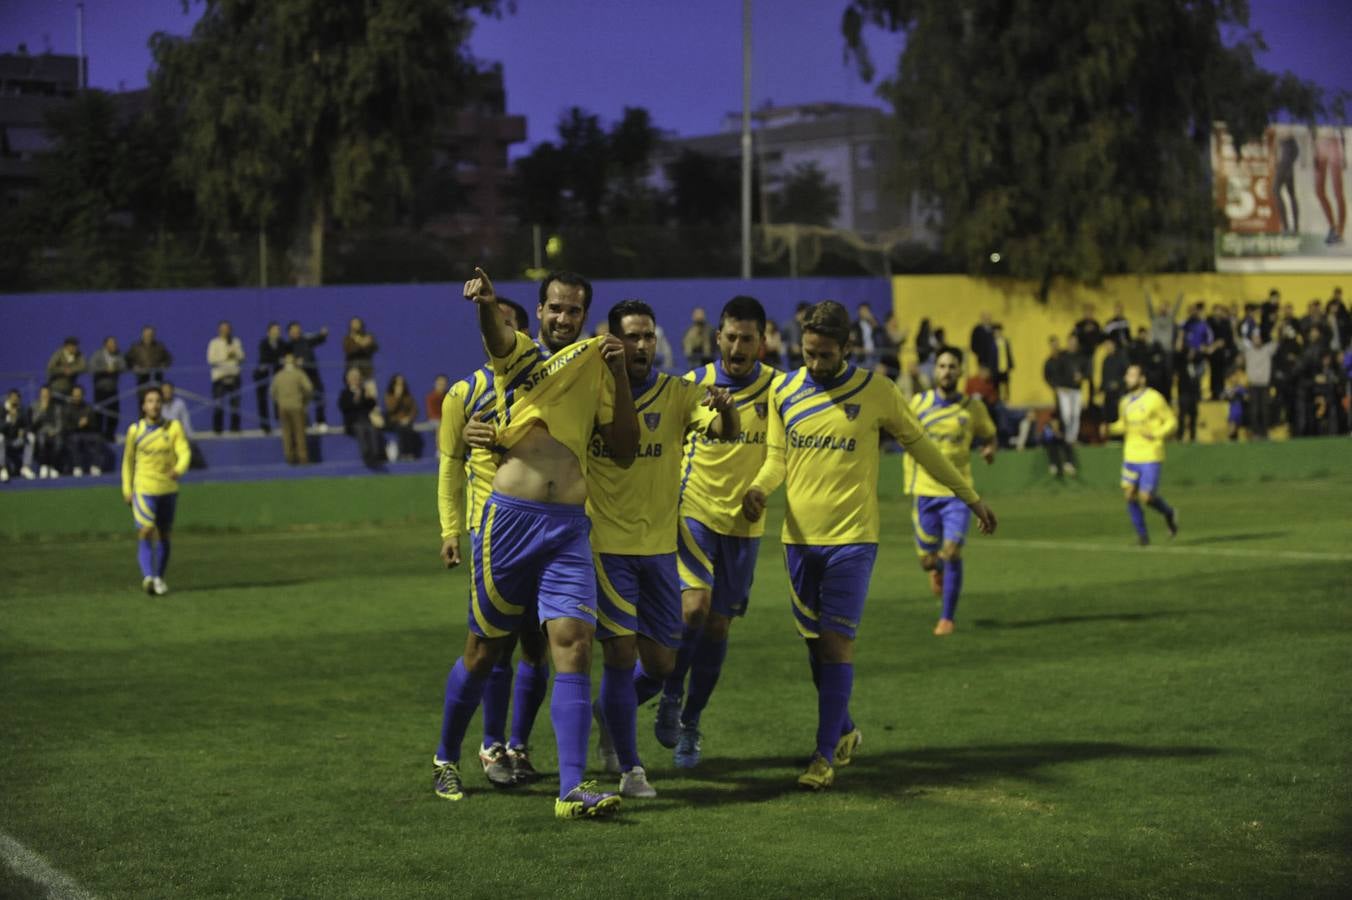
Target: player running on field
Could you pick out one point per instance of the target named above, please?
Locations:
(1144, 416)
(826, 420)
(953, 421)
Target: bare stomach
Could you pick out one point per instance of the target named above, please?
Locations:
(540, 469)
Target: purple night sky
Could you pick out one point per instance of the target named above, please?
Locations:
(682, 61)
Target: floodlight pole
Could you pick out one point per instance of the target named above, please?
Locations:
(79, 48)
(746, 139)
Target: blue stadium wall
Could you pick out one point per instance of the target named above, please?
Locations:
(422, 329)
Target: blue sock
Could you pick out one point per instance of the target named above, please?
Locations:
(675, 683)
(529, 693)
(846, 724)
(162, 561)
(1158, 504)
(570, 711)
(952, 586)
(620, 708)
(704, 671)
(1137, 518)
(463, 692)
(833, 702)
(497, 694)
(145, 554)
(645, 686)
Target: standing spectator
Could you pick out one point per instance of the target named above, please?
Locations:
(80, 435)
(44, 420)
(271, 349)
(1314, 315)
(696, 343)
(1153, 361)
(793, 338)
(361, 419)
(887, 347)
(1268, 314)
(1328, 386)
(1308, 369)
(1195, 344)
(862, 337)
(432, 402)
(173, 408)
(148, 358)
(982, 343)
(1163, 321)
(400, 414)
(662, 359)
(225, 352)
(1113, 380)
(18, 438)
(107, 366)
(291, 391)
(927, 344)
(1249, 324)
(1064, 373)
(772, 348)
(1189, 396)
(1286, 373)
(302, 345)
(1223, 348)
(1004, 361)
(1118, 329)
(1089, 333)
(1236, 395)
(359, 350)
(1258, 369)
(66, 365)
(1338, 322)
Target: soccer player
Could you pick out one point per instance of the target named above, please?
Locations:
(505, 762)
(1145, 418)
(632, 505)
(717, 544)
(826, 420)
(531, 552)
(952, 420)
(155, 456)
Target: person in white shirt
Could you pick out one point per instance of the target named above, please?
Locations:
(225, 352)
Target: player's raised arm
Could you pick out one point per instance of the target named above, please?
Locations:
(729, 421)
(498, 335)
(621, 432)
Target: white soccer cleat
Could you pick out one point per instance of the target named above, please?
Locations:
(77, 472)
(634, 783)
(26, 472)
(95, 470)
(4, 474)
(148, 585)
(44, 472)
(160, 587)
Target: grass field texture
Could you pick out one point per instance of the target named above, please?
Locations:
(1108, 721)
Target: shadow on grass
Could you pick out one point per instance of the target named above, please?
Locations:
(1072, 620)
(242, 585)
(1228, 538)
(755, 779)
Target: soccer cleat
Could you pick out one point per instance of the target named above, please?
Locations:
(1172, 521)
(160, 587)
(936, 579)
(27, 472)
(819, 775)
(846, 746)
(148, 585)
(667, 728)
(95, 470)
(44, 472)
(77, 472)
(4, 473)
(446, 781)
(586, 802)
(1070, 469)
(605, 747)
(945, 627)
(1143, 541)
(689, 749)
(522, 770)
(634, 783)
(497, 767)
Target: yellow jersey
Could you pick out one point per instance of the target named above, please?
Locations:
(154, 451)
(633, 510)
(824, 441)
(952, 425)
(458, 466)
(1146, 419)
(717, 473)
(568, 393)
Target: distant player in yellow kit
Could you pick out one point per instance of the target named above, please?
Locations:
(1145, 418)
(154, 457)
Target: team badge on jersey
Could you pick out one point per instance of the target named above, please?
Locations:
(851, 411)
(651, 420)
(762, 409)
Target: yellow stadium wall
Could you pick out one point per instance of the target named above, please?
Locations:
(955, 303)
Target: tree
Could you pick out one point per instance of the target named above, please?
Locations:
(302, 113)
(807, 197)
(1071, 137)
(705, 189)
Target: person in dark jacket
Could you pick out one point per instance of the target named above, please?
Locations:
(361, 418)
(271, 351)
(148, 358)
(302, 345)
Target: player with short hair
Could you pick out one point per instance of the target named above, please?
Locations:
(1146, 420)
(717, 544)
(953, 421)
(464, 475)
(154, 458)
(633, 508)
(826, 421)
(531, 552)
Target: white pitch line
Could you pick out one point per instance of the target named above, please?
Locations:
(30, 865)
(1175, 550)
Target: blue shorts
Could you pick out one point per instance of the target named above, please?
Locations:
(530, 562)
(939, 519)
(638, 595)
(719, 563)
(828, 586)
(154, 510)
(1142, 476)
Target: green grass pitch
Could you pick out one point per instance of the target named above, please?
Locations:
(1108, 720)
